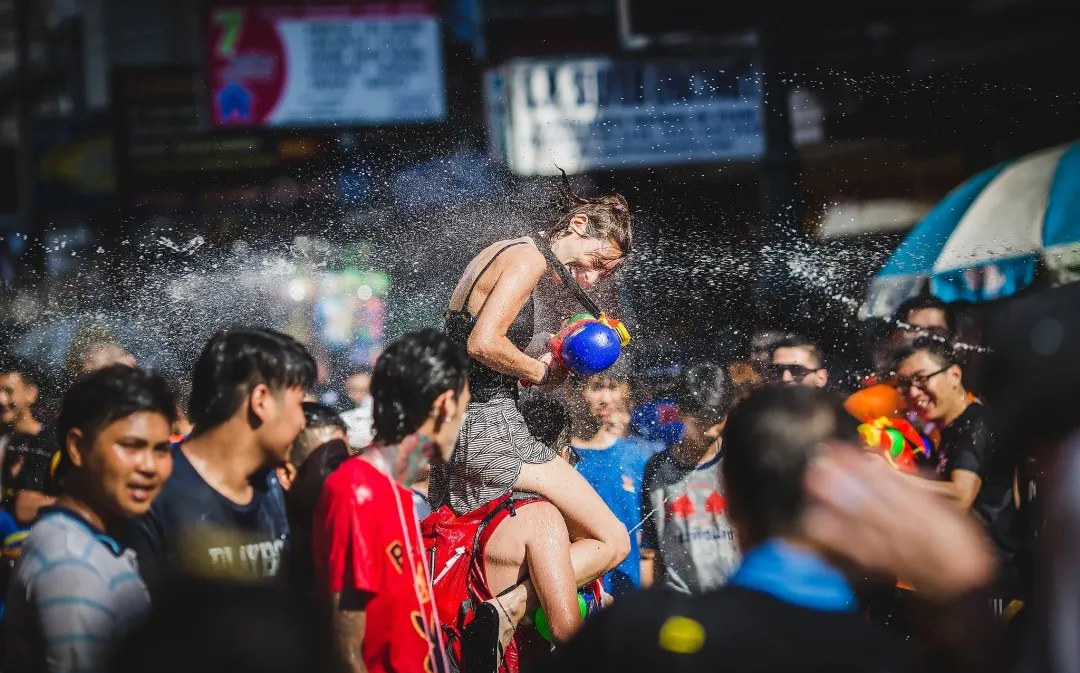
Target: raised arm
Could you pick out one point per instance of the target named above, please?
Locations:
(488, 342)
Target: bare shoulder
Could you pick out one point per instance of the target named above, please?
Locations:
(542, 515)
(524, 257)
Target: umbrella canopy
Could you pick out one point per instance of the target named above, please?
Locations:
(986, 239)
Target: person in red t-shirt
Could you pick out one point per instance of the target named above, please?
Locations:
(368, 555)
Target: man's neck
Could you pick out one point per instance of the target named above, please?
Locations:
(92, 515)
(957, 411)
(687, 454)
(227, 457)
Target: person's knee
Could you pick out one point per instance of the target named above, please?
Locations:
(618, 544)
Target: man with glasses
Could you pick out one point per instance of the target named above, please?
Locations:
(797, 360)
(976, 474)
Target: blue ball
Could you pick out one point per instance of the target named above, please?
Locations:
(591, 348)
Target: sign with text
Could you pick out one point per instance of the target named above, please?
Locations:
(310, 65)
(586, 114)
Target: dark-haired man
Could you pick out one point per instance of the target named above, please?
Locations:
(797, 360)
(976, 473)
(369, 559)
(19, 430)
(75, 588)
(924, 315)
(223, 511)
(688, 541)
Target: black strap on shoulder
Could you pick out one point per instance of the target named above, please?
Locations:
(476, 280)
(586, 302)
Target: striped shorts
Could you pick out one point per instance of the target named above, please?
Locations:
(493, 443)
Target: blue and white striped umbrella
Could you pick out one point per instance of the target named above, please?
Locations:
(986, 239)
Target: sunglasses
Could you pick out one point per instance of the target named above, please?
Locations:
(798, 372)
(906, 383)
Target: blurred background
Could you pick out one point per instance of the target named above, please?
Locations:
(169, 167)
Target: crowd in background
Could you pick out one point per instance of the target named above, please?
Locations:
(105, 516)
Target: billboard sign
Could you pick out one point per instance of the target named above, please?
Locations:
(311, 65)
(597, 113)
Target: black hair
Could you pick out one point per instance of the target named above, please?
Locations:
(940, 351)
(357, 370)
(28, 371)
(106, 395)
(548, 421)
(409, 375)
(704, 390)
(769, 439)
(805, 343)
(234, 362)
(316, 417)
(922, 302)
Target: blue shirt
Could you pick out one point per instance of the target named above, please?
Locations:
(12, 534)
(617, 474)
(795, 576)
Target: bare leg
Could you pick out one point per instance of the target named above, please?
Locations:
(600, 541)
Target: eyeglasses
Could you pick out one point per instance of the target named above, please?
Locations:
(905, 383)
(798, 372)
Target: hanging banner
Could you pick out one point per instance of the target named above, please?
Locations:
(311, 65)
(597, 113)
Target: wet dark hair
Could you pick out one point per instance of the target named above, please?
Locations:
(805, 343)
(609, 216)
(769, 440)
(316, 417)
(12, 364)
(940, 351)
(548, 421)
(704, 390)
(234, 361)
(921, 302)
(106, 395)
(409, 375)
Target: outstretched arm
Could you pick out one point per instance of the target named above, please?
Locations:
(350, 624)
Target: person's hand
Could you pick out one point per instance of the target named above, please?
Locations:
(557, 373)
(861, 509)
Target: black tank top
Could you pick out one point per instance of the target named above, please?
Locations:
(484, 382)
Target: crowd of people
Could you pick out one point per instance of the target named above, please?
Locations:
(480, 506)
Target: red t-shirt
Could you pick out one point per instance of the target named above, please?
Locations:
(366, 538)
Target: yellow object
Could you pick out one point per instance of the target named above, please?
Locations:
(618, 326)
(682, 635)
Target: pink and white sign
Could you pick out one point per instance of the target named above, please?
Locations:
(299, 65)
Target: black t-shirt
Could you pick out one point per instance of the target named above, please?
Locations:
(193, 529)
(968, 444)
(732, 629)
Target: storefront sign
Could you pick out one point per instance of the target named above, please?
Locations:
(300, 65)
(587, 114)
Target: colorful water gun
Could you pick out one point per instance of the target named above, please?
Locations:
(589, 598)
(588, 345)
(897, 440)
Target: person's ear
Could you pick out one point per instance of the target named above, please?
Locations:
(32, 392)
(823, 376)
(445, 408)
(73, 446)
(579, 224)
(261, 404)
(956, 375)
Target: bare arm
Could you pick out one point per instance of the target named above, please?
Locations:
(350, 623)
(548, 555)
(488, 342)
(961, 490)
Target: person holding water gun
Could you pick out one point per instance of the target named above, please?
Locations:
(491, 316)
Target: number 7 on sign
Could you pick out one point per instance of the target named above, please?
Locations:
(231, 22)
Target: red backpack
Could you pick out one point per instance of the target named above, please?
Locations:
(455, 547)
